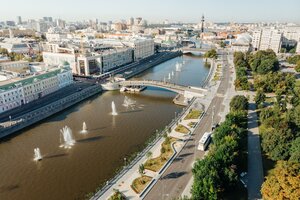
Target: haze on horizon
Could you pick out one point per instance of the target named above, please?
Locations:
(155, 10)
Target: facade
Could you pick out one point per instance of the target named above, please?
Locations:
(50, 58)
(14, 93)
(268, 38)
(16, 66)
(298, 46)
(102, 62)
(143, 47)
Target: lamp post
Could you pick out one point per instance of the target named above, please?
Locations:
(125, 161)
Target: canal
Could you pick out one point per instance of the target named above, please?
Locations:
(72, 173)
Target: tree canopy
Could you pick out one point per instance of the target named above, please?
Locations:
(283, 182)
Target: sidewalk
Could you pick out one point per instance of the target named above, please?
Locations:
(255, 167)
(124, 183)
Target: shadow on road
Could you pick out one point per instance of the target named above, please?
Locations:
(174, 175)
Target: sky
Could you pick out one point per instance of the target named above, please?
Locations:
(155, 10)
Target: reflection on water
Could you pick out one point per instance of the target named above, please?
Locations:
(71, 173)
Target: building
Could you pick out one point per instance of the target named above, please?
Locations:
(18, 91)
(298, 46)
(267, 38)
(104, 61)
(143, 47)
(15, 66)
(242, 43)
(19, 20)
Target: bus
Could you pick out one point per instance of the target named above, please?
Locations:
(204, 141)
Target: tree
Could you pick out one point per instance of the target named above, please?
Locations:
(239, 103)
(149, 154)
(142, 169)
(260, 98)
(283, 182)
(39, 58)
(297, 68)
(211, 54)
(295, 151)
(276, 138)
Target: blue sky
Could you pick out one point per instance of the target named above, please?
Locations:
(155, 10)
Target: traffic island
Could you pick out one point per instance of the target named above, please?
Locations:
(182, 129)
(155, 164)
(193, 114)
(139, 184)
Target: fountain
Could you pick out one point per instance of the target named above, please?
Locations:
(67, 135)
(178, 67)
(128, 102)
(172, 73)
(113, 107)
(37, 154)
(84, 128)
(169, 77)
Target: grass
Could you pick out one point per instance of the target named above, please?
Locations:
(139, 184)
(155, 164)
(192, 124)
(193, 114)
(182, 129)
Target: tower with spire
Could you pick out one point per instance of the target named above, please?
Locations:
(202, 24)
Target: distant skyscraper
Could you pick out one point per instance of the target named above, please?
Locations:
(19, 20)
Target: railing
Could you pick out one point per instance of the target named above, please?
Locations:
(141, 154)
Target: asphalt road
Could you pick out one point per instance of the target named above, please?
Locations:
(174, 180)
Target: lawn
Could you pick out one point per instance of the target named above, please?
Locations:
(139, 184)
(182, 129)
(155, 164)
(193, 114)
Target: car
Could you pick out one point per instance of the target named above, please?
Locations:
(214, 126)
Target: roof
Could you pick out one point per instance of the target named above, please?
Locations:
(32, 79)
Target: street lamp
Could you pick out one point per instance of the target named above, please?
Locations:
(125, 162)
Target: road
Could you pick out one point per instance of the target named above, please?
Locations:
(19, 111)
(174, 180)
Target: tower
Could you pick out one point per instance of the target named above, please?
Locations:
(202, 24)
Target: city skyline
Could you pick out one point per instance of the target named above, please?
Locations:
(155, 11)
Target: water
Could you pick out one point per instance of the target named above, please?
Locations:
(71, 173)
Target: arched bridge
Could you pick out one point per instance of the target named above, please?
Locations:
(187, 91)
(195, 50)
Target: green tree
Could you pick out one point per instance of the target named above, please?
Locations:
(149, 154)
(295, 151)
(283, 182)
(239, 103)
(260, 98)
(141, 169)
(211, 54)
(297, 68)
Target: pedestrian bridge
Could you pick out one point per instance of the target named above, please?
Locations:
(195, 50)
(187, 91)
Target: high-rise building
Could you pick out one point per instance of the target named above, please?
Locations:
(19, 20)
(267, 38)
(298, 46)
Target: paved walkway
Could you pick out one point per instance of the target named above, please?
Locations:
(255, 167)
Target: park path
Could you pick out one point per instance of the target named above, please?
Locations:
(255, 167)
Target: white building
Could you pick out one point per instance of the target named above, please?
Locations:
(18, 91)
(268, 38)
(143, 47)
(298, 46)
(103, 61)
(17, 66)
(242, 43)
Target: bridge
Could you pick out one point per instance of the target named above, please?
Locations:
(186, 91)
(195, 50)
